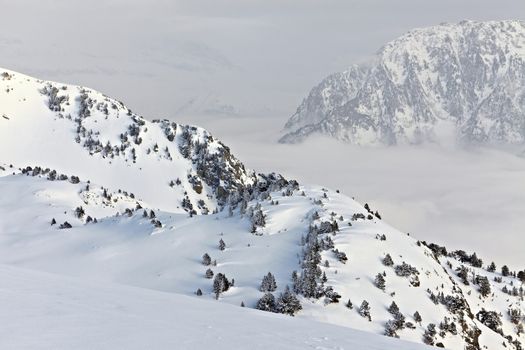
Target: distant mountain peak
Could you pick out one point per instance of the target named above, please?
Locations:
(464, 81)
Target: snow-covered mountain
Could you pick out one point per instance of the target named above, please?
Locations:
(453, 82)
(91, 190)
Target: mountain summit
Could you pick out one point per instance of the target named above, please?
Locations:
(464, 82)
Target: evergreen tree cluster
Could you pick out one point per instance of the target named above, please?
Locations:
(310, 283)
(407, 270)
(472, 259)
(371, 212)
(430, 333)
(287, 303)
(490, 319)
(258, 219)
(456, 304)
(394, 325)
(447, 326)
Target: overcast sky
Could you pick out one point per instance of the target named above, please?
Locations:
(178, 58)
(241, 67)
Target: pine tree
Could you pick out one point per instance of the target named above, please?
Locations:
(380, 281)
(209, 273)
(296, 283)
(364, 310)
(519, 329)
(268, 283)
(387, 260)
(521, 276)
(490, 319)
(220, 284)
(288, 303)
(349, 304)
(491, 267)
(430, 332)
(324, 279)
(462, 273)
(399, 320)
(505, 270)
(484, 285)
(206, 259)
(391, 329)
(258, 220)
(417, 317)
(198, 292)
(222, 245)
(266, 303)
(79, 212)
(475, 261)
(393, 308)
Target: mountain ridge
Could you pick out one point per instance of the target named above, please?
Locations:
(72, 206)
(461, 82)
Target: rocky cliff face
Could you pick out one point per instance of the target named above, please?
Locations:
(462, 81)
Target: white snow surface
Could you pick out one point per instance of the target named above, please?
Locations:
(45, 311)
(124, 248)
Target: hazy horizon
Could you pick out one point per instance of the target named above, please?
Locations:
(177, 59)
(241, 68)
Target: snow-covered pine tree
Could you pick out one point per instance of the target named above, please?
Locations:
(417, 317)
(387, 260)
(222, 245)
(393, 308)
(206, 259)
(380, 282)
(220, 284)
(484, 285)
(364, 310)
(288, 303)
(266, 303)
(430, 333)
(268, 283)
(391, 329)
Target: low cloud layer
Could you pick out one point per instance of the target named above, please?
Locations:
(465, 198)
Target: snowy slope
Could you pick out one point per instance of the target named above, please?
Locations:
(126, 224)
(73, 128)
(444, 83)
(66, 313)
